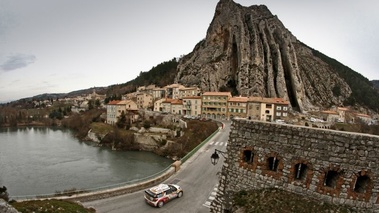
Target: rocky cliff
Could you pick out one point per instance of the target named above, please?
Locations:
(248, 51)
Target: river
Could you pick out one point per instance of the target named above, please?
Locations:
(40, 161)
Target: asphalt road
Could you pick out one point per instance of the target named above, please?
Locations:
(197, 176)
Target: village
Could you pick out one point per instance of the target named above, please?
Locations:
(191, 103)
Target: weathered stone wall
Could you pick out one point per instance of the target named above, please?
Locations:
(332, 166)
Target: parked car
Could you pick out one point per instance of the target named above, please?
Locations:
(157, 196)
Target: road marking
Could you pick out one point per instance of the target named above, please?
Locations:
(212, 197)
(207, 204)
(216, 143)
(211, 142)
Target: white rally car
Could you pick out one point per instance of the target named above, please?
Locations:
(159, 195)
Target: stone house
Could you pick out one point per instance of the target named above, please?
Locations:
(192, 106)
(158, 107)
(158, 93)
(177, 106)
(112, 112)
(166, 105)
(266, 109)
(363, 117)
(214, 105)
(330, 116)
(172, 90)
(188, 92)
(281, 108)
(115, 108)
(144, 100)
(237, 107)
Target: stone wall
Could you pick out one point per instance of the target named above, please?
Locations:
(332, 166)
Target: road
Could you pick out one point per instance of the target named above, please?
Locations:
(197, 176)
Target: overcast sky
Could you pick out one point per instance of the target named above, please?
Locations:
(65, 45)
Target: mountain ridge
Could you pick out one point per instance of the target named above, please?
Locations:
(248, 51)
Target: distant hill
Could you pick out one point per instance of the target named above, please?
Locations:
(161, 75)
(375, 83)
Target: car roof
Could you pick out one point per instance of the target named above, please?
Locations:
(160, 188)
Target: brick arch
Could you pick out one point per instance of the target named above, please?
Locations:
(245, 163)
(363, 196)
(265, 165)
(309, 173)
(324, 189)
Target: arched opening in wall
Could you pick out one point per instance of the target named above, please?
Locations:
(301, 171)
(361, 183)
(248, 156)
(331, 178)
(272, 163)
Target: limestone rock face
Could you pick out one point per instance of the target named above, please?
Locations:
(249, 52)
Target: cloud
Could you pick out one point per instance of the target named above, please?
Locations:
(17, 61)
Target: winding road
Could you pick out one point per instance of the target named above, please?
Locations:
(197, 176)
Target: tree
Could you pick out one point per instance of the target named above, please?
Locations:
(90, 104)
(121, 122)
(4, 194)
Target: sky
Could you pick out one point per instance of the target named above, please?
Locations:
(59, 46)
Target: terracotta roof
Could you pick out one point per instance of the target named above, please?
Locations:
(343, 108)
(362, 115)
(217, 93)
(125, 102)
(238, 99)
(177, 102)
(192, 97)
(174, 86)
(267, 100)
(329, 112)
(168, 100)
(189, 88)
(113, 102)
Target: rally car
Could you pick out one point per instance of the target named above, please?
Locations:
(157, 196)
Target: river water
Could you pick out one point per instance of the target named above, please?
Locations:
(40, 161)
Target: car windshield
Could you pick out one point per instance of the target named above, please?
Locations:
(151, 194)
(173, 188)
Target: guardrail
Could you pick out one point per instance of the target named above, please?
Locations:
(117, 189)
(198, 146)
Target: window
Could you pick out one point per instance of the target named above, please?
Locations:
(285, 108)
(284, 114)
(268, 106)
(267, 111)
(278, 107)
(300, 171)
(278, 114)
(361, 183)
(248, 156)
(272, 163)
(331, 178)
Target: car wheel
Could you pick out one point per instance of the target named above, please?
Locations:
(180, 194)
(160, 204)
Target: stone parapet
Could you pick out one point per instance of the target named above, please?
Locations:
(332, 166)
